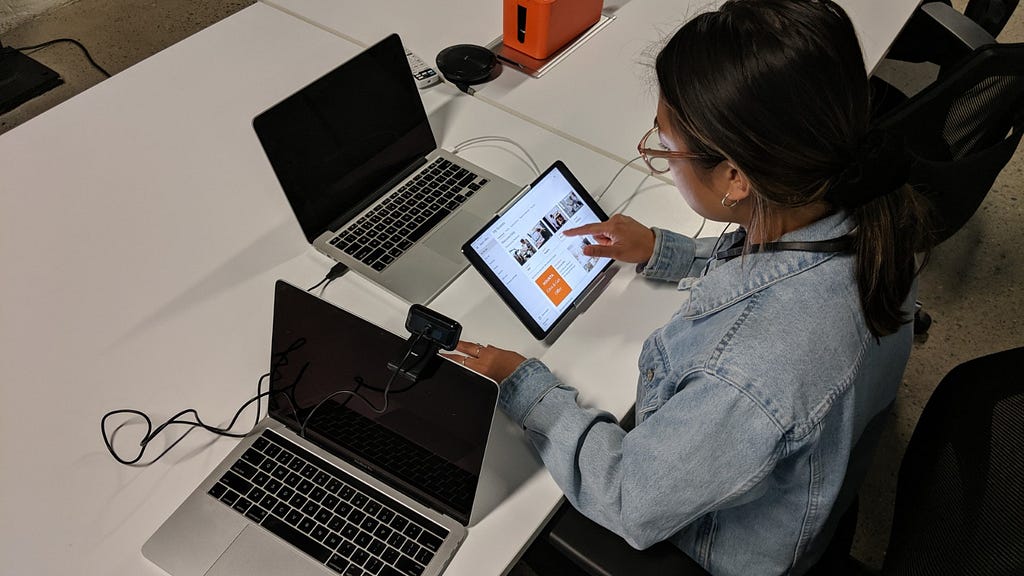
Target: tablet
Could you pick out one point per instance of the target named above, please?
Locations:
(538, 272)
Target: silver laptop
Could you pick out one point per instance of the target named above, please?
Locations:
(359, 164)
(326, 485)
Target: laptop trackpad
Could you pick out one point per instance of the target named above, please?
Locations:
(256, 551)
(449, 238)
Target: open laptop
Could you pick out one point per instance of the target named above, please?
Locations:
(361, 493)
(359, 165)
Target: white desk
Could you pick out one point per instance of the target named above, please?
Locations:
(141, 231)
(132, 280)
(604, 94)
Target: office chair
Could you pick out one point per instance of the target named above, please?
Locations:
(962, 129)
(926, 38)
(960, 491)
(923, 39)
(959, 505)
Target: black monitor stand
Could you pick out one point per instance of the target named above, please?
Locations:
(431, 331)
(421, 359)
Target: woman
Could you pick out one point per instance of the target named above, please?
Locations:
(793, 332)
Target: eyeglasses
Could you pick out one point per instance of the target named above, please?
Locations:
(657, 158)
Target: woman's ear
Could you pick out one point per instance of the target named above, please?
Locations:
(730, 179)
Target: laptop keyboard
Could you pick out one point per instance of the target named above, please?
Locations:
(325, 512)
(384, 233)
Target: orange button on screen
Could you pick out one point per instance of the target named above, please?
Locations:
(553, 285)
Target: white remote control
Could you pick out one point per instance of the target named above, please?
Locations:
(424, 75)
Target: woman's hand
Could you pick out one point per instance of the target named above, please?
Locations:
(492, 362)
(621, 238)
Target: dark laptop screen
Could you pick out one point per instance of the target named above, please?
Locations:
(431, 438)
(337, 141)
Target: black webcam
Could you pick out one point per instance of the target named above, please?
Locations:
(432, 326)
(430, 331)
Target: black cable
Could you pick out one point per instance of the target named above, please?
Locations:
(281, 360)
(359, 382)
(76, 43)
(151, 433)
(336, 272)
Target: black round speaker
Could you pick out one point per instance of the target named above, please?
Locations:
(466, 64)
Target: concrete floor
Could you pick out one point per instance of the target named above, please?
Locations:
(971, 286)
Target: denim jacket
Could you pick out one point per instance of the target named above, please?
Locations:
(749, 404)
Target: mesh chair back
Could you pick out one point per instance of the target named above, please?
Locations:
(962, 130)
(960, 493)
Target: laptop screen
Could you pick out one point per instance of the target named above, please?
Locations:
(430, 440)
(337, 141)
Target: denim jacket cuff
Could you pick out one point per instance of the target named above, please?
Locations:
(524, 388)
(672, 257)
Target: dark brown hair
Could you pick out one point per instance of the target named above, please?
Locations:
(779, 88)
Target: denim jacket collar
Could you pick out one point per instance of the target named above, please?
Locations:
(727, 282)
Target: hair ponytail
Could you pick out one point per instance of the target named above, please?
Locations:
(890, 232)
(891, 224)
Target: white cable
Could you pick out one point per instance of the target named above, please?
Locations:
(610, 182)
(703, 221)
(481, 139)
(533, 164)
(625, 203)
(622, 206)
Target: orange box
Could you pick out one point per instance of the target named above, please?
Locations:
(540, 27)
(553, 285)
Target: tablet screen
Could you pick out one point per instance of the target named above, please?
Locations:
(538, 271)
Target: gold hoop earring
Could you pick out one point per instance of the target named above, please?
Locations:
(729, 204)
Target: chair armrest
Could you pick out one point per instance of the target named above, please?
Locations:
(966, 31)
(600, 552)
(938, 34)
